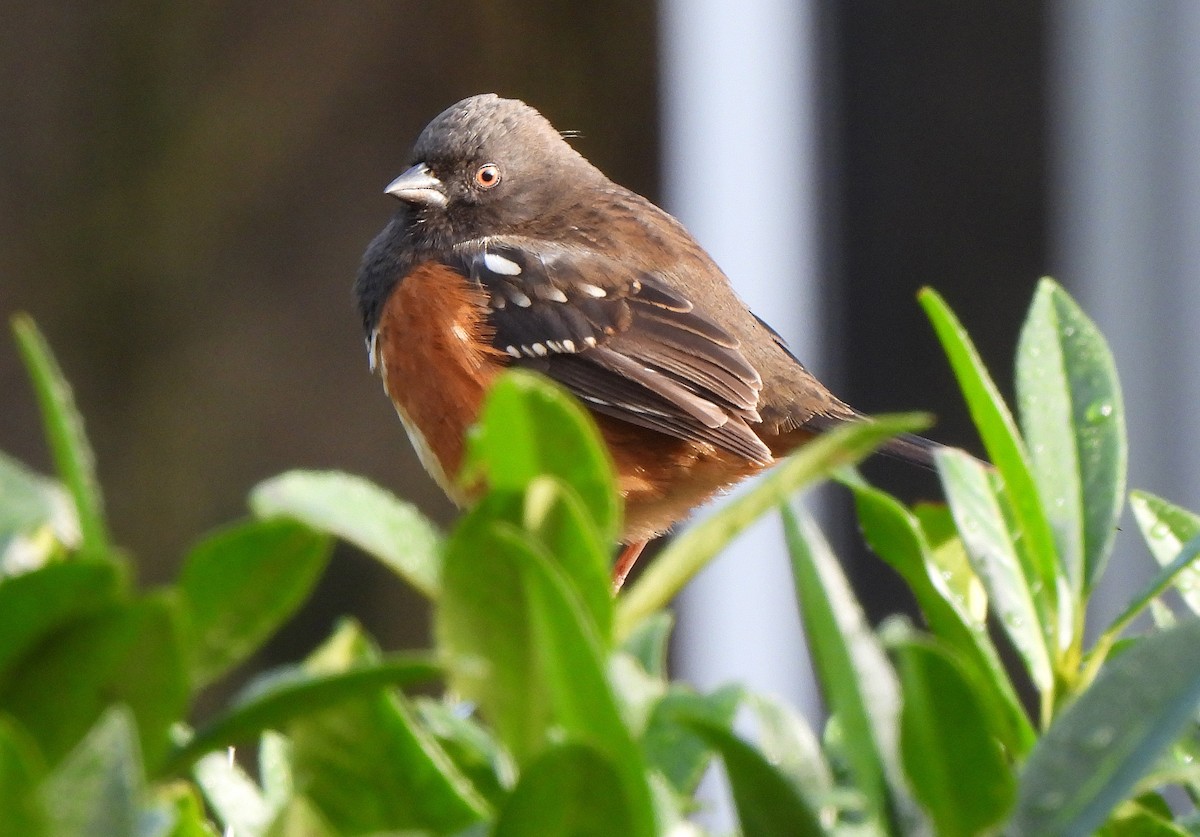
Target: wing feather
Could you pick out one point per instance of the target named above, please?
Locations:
(625, 341)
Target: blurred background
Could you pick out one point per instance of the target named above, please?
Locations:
(186, 189)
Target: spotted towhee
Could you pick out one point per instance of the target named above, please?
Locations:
(510, 249)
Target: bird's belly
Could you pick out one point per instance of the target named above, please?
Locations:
(429, 459)
(663, 479)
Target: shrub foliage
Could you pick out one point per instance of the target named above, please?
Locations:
(556, 714)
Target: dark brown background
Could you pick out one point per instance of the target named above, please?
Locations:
(185, 190)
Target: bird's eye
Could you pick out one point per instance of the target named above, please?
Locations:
(487, 176)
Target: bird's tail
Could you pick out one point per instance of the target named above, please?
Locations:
(907, 447)
(912, 448)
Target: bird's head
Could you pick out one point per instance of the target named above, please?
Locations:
(487, 164)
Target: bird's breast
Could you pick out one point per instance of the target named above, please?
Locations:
(437, 362)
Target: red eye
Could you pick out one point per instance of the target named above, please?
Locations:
(487, 176)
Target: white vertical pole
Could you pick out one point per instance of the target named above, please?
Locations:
(738, 96)
(1125, 114)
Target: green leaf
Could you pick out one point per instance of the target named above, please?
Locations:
(69, 446)
(275, 768)
(942, 587)
(1161, 614)
(1158, 585)
(1007, 450)
(767, 803)
(636, 691)
(570, 790)
(517, 641)
(28, 498)
(300, 818)
(1179, 767)
(21, 769)
(859, 684)
(671, 811)
(233, 795)
(98, 788)
(484, 629)
(672, 746)
(788, 742)
(555, 515)
(472, 748)
(185, 810)
(37, 603)
(848, 801)
(37, 518)
(975, 501)
(273, 699)
(360, 512)
(1135, 820)
(948, 561)
(366, 764)
(244, 808)
(241, 584)
(129, 654)
(956, 768)
(691, 551)
(531, 427)
(1092, 756)
(1166, 528)
(1150, 802)
(649, 642)
(1074, 422)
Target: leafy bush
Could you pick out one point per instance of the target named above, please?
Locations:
(558, 716)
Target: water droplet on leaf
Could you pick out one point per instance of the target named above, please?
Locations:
(1051, 801)
(1099, 738)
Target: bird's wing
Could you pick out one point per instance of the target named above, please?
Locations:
(619, 338)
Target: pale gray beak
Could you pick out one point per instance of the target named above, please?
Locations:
(418, 186)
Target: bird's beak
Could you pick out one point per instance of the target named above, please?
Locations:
(418, 186)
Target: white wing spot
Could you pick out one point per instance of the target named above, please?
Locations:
(499, 264)
(568, 345)
(554, 295)
(538, 349)
(519, 298)
(512, 350)
(645, 411)
(589, 341)
(593, 290)
(372, 345)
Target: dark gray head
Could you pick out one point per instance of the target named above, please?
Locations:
(488, 164)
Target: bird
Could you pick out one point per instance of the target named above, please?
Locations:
(510, 249)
